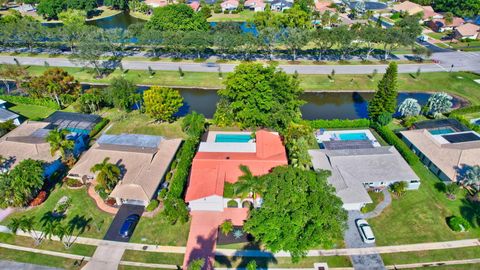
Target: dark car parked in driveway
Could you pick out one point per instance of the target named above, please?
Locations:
(129, 225)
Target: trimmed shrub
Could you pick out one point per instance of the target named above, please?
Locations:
(232, 204)
(42, 195)
(71, 182)
(101, 192)
(152, 205)
(391, 138)
(46, 102)
(458, 224)
(98, 127)
(338, 123)
(162, 194)
(228, 190)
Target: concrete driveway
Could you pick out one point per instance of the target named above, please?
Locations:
(124, 211)
(353, 240)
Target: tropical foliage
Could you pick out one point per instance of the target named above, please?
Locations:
(471, 179)
(161, 103)
(298, 139)
(108, 174)
(226, 227)
(298, 204)
(122, 94)
(399, 188)
(58, 141)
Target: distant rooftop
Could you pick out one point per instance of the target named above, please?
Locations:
(135, 140)
(6, 115)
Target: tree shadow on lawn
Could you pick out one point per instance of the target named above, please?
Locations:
(470, 210)
(262, 262)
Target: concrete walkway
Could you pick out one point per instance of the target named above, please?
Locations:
(106, 257)
(387, 200)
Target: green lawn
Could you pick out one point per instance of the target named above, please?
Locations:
(158, 231)
(470, 116)
(78, 249)
(419, 216)
(35, 258)
(283, 262)
(243, 16)
(33, 112)
(377, 197)
(458, 83)
(451, 267)
(136, 122)
(153, 257)
(431, 256)
(82, 205)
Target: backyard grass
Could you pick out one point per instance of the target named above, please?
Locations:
(470, 116)
(419, 216)
(281, 262)
(377, 197)
(78, 249)
(243, 16)
(431, 256)
(153, 257)
(82, 205)
(33, 112)
(138, 123)
(158, 231)
(457, 83)
(40, 259)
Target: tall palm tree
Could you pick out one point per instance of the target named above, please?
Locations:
(248, 183)
(108, 173)
(26, 224)
(58, 142)
(472, 178)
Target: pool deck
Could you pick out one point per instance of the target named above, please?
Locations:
(213, 134)
(331, 135)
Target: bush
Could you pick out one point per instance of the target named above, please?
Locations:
(232, 204)
(228, 190)
(152, 205)
(46, 102)
(98, 127)
(101, 192)
(42, 195)
(409, 121)
(162, 194)
(392, 139)
(71, 182)
(384, 119)
(458, 224)
(338, 123)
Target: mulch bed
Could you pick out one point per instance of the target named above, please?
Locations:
(230, 238)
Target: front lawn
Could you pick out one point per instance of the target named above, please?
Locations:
(82, 205)
(281, 262)
(33, 112)
(153, 257)
(377, 197)
(35, 258)
(139, 123)
(159, 231)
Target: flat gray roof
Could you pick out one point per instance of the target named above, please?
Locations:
(6, 115)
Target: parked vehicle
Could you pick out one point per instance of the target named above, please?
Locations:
(129, 225)
(211, 64)
(365, 231)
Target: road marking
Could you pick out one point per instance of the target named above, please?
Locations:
(441, 67)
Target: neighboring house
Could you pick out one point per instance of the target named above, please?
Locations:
(219, 162)
(322, 6)
(280, 5)
(356, 170)
(440, 25)
(445, 146)
(7, 115)
(195, 5)
(408, 7)
(24, 8)
(430, 14)
(27, 141)
(143, 160)
(156, 3)
(467, 31)
(229, 5)
(255, 5)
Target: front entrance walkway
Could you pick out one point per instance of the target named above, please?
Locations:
(387, 200)
(202, 237)
(106, 257)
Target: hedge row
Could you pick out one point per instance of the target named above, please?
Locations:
(391, 138)
(46, 102)
(465, 110)
(338, 123)
(98, 127)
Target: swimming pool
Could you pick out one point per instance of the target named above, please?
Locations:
(353, 136)
(232, 138)
(441, 131)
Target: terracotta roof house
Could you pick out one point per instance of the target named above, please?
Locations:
(408, 7)
(468, 31)
(156, 3)
(195, 5)
(218, 161)
(447, 148)
(354, 169)
(440, 25)
(27, 141)
(430, 14)
(255, 5)
(322, 6)
(143, 159)
(229, 5)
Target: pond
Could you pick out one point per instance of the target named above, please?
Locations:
(122, 20)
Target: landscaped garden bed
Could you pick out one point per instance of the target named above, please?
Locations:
(235, 236)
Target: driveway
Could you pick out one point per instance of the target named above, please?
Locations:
(353, 240)
(124, 211)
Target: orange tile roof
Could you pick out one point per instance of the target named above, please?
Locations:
(211, 170)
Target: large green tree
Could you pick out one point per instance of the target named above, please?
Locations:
(463, 8)
(299, 211)
(122, 94)
(161, 103)
(177, 17)
(117, 4)
(50, 9)
(54, 83)
(385, 98)
(258, 96)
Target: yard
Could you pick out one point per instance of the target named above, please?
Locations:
(243, 16)
(33, 112)
(153, 257)
(35, 258)
(159, 231)
(377, 197)
(82, 205)
(431, 256)
(281, 262)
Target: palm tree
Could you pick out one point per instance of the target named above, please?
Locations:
(108, 173)
(472, 179)
(248, 183)
(26, 224)
(58, 142)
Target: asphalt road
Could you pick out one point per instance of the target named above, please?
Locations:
(461, 61)
(122, 214)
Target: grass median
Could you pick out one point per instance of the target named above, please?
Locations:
(431, 256)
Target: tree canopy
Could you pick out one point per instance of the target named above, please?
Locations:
(464, 8)
(177, 17)
(54, 83)
(122, 94)
(299, 211)
(161, 103)
(258, 96)
(385, 98)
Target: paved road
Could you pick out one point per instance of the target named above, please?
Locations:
(353, 240)
(24, 266)
(462, 61)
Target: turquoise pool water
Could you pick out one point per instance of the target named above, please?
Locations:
(353, 136)
(78, 130)
(441, 131)
(232, 138)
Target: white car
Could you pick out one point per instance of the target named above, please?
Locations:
(365, 231)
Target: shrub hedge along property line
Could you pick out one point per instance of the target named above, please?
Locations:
(98, 127)
(338, 123)
(46, 102)
(391, 138)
